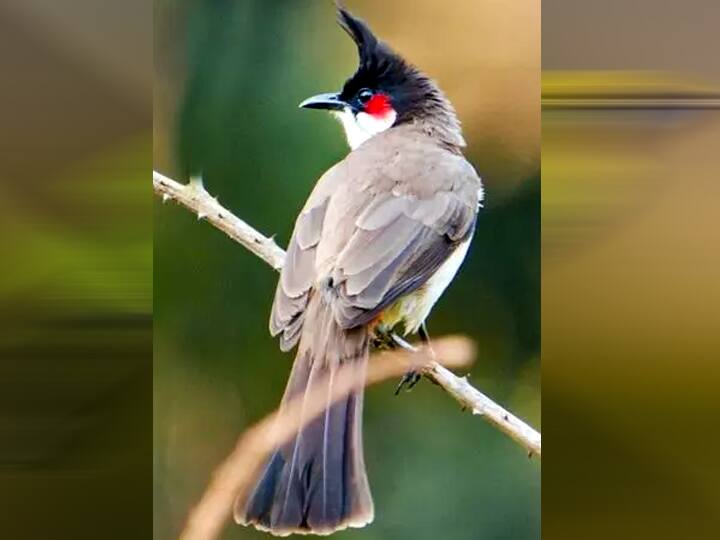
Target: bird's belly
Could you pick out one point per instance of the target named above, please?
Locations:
(413, 309)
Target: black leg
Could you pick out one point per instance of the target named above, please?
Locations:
(425, 338)
(423, 333)
(412, 377)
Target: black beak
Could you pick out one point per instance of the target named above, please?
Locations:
(328, 102)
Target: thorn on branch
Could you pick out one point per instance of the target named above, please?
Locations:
(196, 181)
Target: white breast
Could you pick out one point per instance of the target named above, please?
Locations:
(415, 307)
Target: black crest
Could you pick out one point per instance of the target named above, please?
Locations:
(361, 34)
(413, 94)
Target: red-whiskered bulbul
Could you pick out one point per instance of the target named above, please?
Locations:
(380, 238)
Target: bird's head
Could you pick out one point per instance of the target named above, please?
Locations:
(384, 92)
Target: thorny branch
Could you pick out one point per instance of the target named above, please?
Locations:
(195, 198)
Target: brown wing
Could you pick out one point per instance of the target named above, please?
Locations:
(377, 227)
(399, 243)
(299, 274)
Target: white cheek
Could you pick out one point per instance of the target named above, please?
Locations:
(373, 124)
(359, 128)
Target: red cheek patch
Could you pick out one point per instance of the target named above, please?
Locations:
(379, 105)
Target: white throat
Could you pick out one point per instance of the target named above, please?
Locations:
(359, 128)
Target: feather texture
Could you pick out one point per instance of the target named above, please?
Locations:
(317, 482)
(378, 227)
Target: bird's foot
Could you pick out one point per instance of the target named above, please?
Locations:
(382, 342)
(408, 381)
(382, 339)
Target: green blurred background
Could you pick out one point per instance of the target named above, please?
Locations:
(76, 278)
(229, 77)
(630, 267)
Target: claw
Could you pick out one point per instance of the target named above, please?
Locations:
(410, 379)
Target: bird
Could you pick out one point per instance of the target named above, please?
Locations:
(381, 236)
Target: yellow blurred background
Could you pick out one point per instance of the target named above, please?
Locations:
(631, 268)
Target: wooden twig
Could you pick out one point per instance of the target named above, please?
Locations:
(195, 198)
(477, 402)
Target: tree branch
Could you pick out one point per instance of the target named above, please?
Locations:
(195, 198)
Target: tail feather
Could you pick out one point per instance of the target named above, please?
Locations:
(316, 483)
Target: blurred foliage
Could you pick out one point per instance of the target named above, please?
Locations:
(76, 281)
(76, 344)
(229, 100)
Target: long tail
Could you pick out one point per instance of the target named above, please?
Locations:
(317, 484)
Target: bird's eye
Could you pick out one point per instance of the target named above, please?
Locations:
(364, 95)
